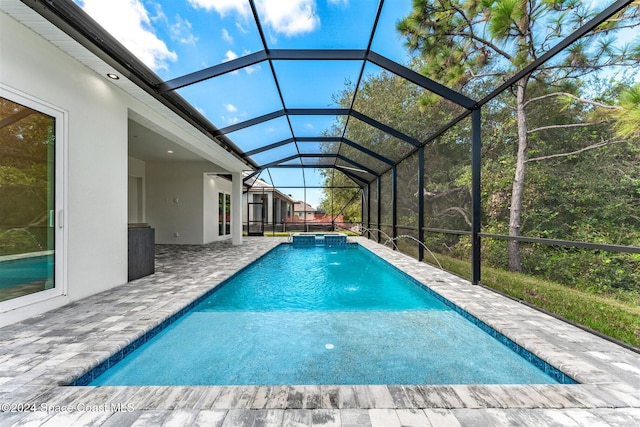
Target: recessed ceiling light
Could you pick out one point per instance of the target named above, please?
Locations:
(170, 151)
(113, 76)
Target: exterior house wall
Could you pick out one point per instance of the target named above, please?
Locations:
(95, 215)
(97, 167)
(136, 191)
(176, 195)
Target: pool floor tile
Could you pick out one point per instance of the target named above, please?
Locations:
(40, 353)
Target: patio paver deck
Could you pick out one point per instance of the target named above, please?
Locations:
(40, 355)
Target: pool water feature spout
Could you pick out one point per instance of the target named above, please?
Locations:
(420, 243)
(392, 240)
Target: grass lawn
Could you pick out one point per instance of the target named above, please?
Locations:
(616, 314)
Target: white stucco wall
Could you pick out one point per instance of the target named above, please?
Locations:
(97, 166)
(183, 199)
(96, 212)
(136, 191)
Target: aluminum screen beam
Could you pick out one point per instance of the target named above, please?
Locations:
(278, 163)
(321, 139)
(299, 187)
(270, 146)
(365, 150)
(360, 182)
(283, 160)
(386, 129)
(355, 178)
(320, 112)
(214, 71)
(290, 140)
(563, 44)
(355, 164)
(421, 80)
(572, 38)
(317, 111)
(344, 111)
(252, 122)
(317, 54)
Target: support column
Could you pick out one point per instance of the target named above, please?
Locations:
(369, 209)
(364, 205)
(394, 203)
(270, 210)
(236, 208)
(379, 184)
(476, 201)
(421, 202)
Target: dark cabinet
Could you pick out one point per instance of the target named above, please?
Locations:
(141, 251)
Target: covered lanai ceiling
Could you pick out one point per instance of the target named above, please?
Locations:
(284, 85)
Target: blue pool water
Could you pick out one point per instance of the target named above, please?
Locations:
(321, 316)
(26, 270)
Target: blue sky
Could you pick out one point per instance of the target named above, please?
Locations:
(178, 37)
(175, 38)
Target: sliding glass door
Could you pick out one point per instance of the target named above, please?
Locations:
(224, 214)
(28, 199)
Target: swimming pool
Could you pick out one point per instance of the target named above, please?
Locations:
(318, 315)
(26, 270)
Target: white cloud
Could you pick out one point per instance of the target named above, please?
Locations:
(159, 16)
(272, 39)
(252, 69)
(309, 126)
(338, 2)
(230, 56)
(240, 27)
(226, 36)
(230, 120)
(181, 31)
(128, 21)
(230, 108)
(223, 6)
(289, 17)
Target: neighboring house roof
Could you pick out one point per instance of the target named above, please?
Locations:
(259, 186)
(303, 207)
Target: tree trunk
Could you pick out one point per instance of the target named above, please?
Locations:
(518, 179)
